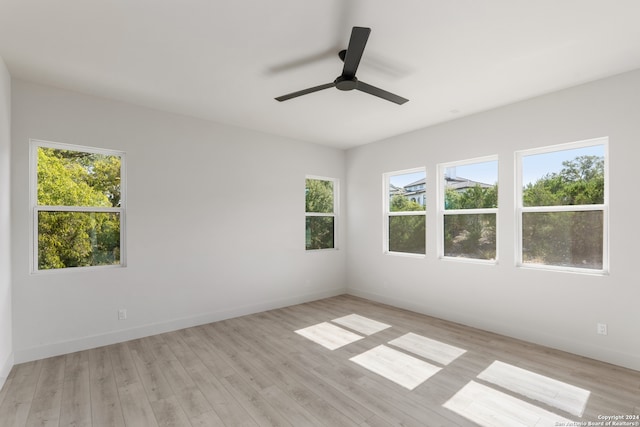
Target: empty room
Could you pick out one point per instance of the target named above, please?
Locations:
(319, 213)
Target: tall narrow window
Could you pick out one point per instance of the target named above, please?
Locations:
(405, 208)
(321, 206)
(469, 209)
(563, 206)
(78, 206)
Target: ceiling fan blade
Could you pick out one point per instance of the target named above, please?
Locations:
(359, 37)
(372, 90)
(305, 91)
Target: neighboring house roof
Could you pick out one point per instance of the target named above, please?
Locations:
(459, 183)
(395, 190)
(418, 182)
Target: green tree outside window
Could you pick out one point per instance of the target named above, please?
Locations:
(78, 208)
(320, 217)
(566, 238)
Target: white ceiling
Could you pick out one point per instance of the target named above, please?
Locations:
(226, 60)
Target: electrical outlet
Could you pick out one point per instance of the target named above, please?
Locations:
(602, 328)
(122, 314)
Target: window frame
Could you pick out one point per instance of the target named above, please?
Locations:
(521, 209)
(34, 145)
(334, 214)
(387, 214)
(442, 211)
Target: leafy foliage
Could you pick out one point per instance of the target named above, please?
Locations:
(471, 235)
(475, 197)
(406, 232)
(399, 203)
(571, 238)
(73, 179)
(319, 196)
(580, 182)
(320, 230)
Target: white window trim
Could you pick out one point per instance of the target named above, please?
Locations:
(34, 144)
(442, 211)
(386, 213)
(520, 209)
(334, 214)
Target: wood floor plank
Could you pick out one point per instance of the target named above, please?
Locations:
(15, 414)
(295, 413)
(105, 402)
(76, 395)
(159, 348)
(235, 355)
(257, 371)
(193, 402)
(208, 419)
(124, 368)
(191, 399)
(203, 347)
(143, 350)
(376, 399)
(223, 402)
(254, 403)
(169, 413)
(177, 377)
(311, 392)
(206, 369)
(136, 409)
(265, 360)
(3, 390)
(150, 372)
(45, 407)
(21, 387)
(376, 421)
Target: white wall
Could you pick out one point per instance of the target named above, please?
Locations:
(198, 248)
(6, 346)
(555, 309)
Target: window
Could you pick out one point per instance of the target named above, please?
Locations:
(469, 209)
(321, 201)
(563, 206)
(404, 207)
(77, 195)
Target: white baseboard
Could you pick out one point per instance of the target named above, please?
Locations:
(603, 354)
(5, 369)
(85, 343)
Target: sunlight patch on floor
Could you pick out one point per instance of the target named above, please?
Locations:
(396, 366)
(481, 403)
(537, 387)
(428, 348)
(328, 335)
(491, 408)
(361, 324)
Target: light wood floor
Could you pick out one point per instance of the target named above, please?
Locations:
(255, 370)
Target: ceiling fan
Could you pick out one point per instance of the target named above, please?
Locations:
(347, 80)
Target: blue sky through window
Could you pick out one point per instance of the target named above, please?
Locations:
(485, 172)
(536, 166)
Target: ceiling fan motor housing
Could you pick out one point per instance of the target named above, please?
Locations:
(344, 83)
